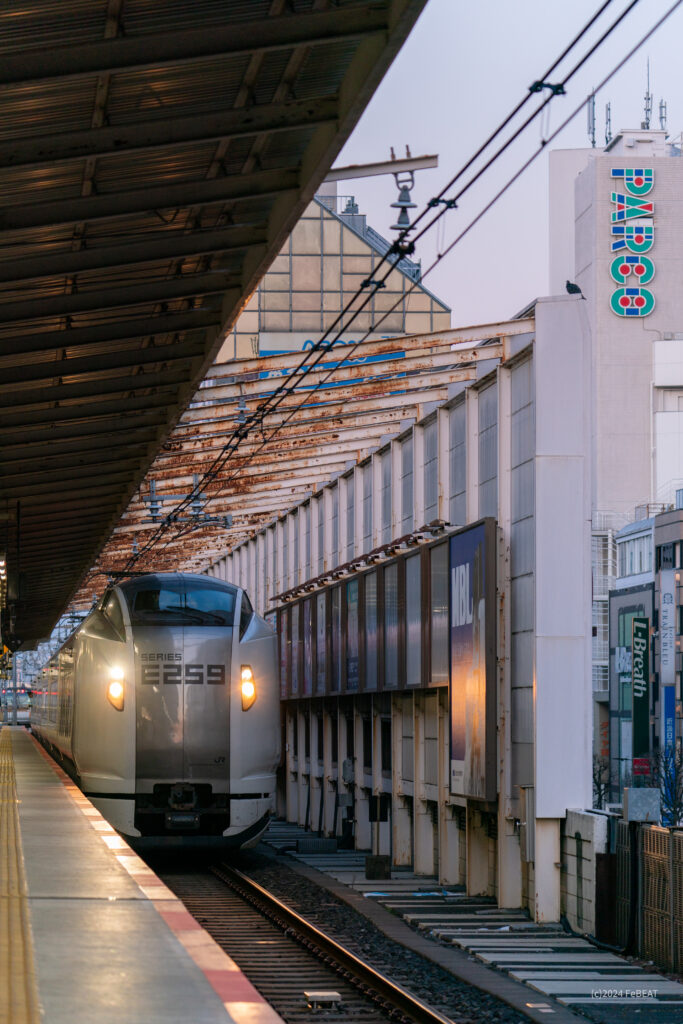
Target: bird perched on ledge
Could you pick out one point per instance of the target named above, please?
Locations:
(574, 289)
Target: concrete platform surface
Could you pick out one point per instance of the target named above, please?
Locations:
(101, 938)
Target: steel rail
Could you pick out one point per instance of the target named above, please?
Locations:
(370, 982)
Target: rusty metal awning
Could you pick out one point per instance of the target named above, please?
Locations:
(332, 419)
(154, 154)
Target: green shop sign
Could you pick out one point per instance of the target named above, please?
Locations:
(641, 695)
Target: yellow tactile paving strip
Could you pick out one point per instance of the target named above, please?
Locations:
(18, 990)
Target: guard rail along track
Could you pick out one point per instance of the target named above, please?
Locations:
(392, 1001)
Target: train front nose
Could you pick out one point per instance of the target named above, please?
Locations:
(183, 729)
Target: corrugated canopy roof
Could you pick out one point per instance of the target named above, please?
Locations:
(154, 154)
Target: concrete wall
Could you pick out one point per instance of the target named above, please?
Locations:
(584, 835)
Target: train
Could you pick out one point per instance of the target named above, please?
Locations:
(10, 696)
(163, 706)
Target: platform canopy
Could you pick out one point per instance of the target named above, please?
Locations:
(154, 154)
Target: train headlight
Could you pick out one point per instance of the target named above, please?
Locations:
(248, 687)
(115, 689)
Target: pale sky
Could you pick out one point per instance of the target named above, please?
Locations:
(464, 67)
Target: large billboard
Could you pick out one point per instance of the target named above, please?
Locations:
(472, 689)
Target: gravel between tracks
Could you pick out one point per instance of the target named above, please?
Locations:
(463, 1003)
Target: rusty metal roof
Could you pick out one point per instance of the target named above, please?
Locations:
(341, 411)
(154, 155)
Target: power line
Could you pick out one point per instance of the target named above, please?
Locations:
(302, 370)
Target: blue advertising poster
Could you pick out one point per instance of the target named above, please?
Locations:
(669, 722)
(472, 662)
(669, 780)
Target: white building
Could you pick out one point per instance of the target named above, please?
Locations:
(599, 219)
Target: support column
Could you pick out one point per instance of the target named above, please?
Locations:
(477, 854)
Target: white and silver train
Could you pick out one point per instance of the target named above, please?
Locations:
(164, 707)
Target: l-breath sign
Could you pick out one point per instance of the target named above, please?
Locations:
(641, 695)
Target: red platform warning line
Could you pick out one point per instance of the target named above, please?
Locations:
(241, 1000)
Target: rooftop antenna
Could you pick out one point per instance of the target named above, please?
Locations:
(590, 111)
(662, 115)
(648, 100)
(608, 123)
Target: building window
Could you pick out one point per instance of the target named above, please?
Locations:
(335, 682)
(296, 648)
(350, 516)
(273, 542)
(352, 638)
(488, 451)
(367, 507)
(385, 496)
(457, 460)
(431, 472)
(407, 486)
(370, 631)
(635, 556)
(307, 541)
(438, 593)
(413, 621)
(308, 647)
(283, 645)
(321, 534)
(285, 553)
(600, 631)
(391, 661)
(334, 525)
(294, 572)
(320, 644)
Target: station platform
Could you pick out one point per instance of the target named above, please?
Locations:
(87, 931)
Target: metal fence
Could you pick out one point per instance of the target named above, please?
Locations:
(659, 918)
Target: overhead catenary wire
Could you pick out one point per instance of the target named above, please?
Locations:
(294, 379)
(320, 349)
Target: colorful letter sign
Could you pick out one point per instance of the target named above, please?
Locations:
(632, 271)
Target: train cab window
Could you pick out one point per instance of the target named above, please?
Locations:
(218, 604)
(112, 609)
(173, 602)
(246, 614)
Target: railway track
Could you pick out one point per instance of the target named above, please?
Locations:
(284, 956)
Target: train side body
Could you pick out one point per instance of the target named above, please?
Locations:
(181, 762)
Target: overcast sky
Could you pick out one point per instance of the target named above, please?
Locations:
(464, 67)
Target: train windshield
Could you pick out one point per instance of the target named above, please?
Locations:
(176, 603)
